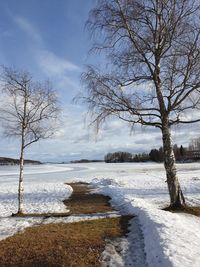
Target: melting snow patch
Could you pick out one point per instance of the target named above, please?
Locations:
(114, 252)
(104, 182)
(124, 252)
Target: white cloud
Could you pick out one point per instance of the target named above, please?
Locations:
(49, 62)
(52, 64)
(26, 26)
(75, 141)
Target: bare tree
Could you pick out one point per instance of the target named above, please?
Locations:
(29, 113)
(152, 75)
(194, 144)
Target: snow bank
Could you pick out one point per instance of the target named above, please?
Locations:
(38, 198)
(169, 239)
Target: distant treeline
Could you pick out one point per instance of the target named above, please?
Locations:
(181, 154)
(126, 157)
(10, 161)
(85, 161)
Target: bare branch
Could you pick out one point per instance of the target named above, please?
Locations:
(29, 107)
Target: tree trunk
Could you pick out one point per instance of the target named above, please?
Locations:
(21, 171)
(176, 196)
(21, 187)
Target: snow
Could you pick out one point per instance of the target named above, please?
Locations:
(112, 255)
(157, 238)
(125, 251)
(40, 198)
(169, 239)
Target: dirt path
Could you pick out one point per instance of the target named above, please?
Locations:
(77, 244)
(84, 200)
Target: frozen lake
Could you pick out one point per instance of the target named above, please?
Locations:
(37, 173)
(62, 173)
(136, 188)
(47, 180)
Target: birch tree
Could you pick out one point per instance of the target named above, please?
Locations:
(29, 113)
(151, 75)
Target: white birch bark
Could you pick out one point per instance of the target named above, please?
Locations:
(21, 186)
(21, 172)
(176, 196)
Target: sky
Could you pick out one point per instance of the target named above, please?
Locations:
(48, 38)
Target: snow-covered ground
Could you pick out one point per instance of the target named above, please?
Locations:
(137, 188)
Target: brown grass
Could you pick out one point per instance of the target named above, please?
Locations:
(81, 201)
(61, 245)
(69, 245)
(65, 245)
(194, 210)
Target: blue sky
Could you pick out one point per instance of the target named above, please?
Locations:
(48, 38)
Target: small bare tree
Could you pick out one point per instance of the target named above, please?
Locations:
(153, 75)
(29, 112)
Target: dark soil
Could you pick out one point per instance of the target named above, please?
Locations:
(194, 210)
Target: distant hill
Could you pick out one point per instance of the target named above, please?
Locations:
(10, 161)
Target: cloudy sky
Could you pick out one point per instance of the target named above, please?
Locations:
(48, 39)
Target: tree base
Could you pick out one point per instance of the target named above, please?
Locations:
(178, 206)
(193, 210)
(18, 214)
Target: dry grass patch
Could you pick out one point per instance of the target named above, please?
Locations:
(82, 201)
(194, 210)
(76, 244)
